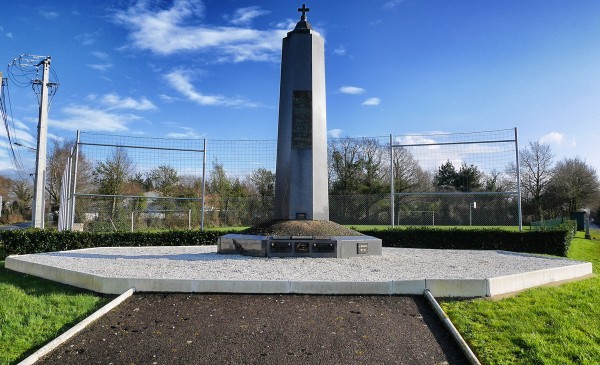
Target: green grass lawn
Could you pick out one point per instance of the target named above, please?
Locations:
(548, 325)
(34, 311)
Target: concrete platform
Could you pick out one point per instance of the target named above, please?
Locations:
(446, 273)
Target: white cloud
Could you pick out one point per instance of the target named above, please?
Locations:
(100, 55)
(245, 16)
(100, 66)
(186, 133)
(166, 32)
(340, 50)
(113, 101)
(180, 80)
(20, 125)
(335, 133)
(553, 138)
(48, 14)
(353, 90)
(87, 39)
(392, 4)
(8, 35)
(20, 134)
(85, 118)
(371, 102)
(166, 98)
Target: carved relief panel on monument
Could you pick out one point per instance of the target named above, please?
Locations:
(302, 120)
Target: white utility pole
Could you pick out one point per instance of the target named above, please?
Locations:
(37, 219)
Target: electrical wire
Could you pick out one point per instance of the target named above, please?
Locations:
(24, 71)
(10, 129)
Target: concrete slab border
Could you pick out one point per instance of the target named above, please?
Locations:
(462, 287)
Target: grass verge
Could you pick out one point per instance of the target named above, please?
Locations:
(34, 311)
(547, 325)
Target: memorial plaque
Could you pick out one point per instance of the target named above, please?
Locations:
(302, 120)
(281, 247)
(324, 247)
(362, 248)
(302, 247)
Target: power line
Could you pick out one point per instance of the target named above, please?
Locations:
(26, 71)
(9, 127)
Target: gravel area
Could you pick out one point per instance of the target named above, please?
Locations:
(203, 263)
(301, 228)
(263, 329)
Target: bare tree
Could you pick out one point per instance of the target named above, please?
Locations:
(373, 167)
(22, 190)
(344, 166)
(536, 169)
(57, 162)
(408, 174)
(111, 176)
(5, 184)
(575, 184)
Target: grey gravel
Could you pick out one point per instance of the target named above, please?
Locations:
(203, 263)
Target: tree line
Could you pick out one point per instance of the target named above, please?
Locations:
(359, 180)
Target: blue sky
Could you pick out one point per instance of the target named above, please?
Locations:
(210, 69)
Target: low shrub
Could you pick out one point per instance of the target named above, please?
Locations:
(551, 242)
(19, 242)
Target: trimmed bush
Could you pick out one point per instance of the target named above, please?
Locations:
(19, 242)
(551, 242)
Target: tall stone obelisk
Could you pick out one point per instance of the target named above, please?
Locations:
(301, 185)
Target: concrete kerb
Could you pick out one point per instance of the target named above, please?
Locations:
(517, 282)
(114, 282)
(33, 358)
(450, 326)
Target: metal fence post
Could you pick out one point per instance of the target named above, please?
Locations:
(72, 220)
(392, 180)
(520, 211)
(203, 185)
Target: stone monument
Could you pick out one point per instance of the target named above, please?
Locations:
(301, 181)
(301, 227)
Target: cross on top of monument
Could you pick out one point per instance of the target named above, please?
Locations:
(303, 10)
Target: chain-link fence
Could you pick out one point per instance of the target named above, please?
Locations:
(101, 213)
(122, 183)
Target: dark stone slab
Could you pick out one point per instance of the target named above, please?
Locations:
(299, 246)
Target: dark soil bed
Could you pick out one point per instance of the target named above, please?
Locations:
(263, 329)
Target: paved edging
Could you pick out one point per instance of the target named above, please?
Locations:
(33, 358)
(453, 331)
(445, 273)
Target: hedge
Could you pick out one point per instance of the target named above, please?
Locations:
(19, 242)
(552, 242)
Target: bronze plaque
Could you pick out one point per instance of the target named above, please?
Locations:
(323, 247)
(302, 120)
(302, 247)
(362, 248)
(281, 247)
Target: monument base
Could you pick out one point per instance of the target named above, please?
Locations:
(299, 246)
(299, 239)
